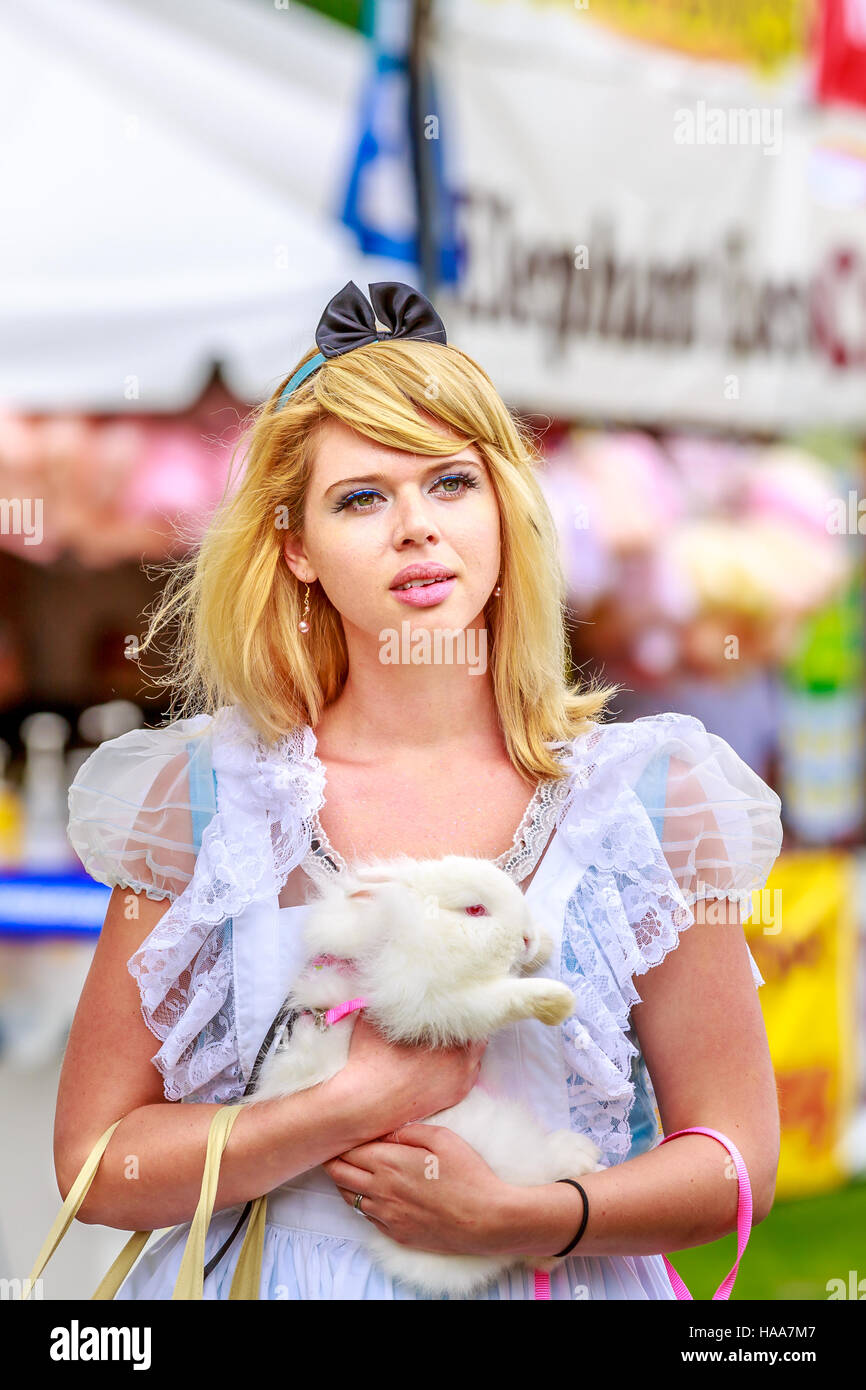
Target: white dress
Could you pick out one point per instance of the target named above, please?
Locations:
(654, 814)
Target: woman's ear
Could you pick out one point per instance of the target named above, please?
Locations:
(296, 558)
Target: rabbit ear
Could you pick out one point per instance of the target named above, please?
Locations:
(371, 873)
(396, 868)
(376, 891)
(338, 924)
(365, 881)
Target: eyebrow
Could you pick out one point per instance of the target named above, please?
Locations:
(383, 477)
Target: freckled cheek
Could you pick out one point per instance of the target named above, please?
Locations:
(476, 541)
(349, 572)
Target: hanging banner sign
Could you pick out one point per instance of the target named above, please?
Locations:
(641, 237)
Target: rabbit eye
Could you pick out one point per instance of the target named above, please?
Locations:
(477, 910)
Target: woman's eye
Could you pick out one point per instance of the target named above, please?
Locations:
(464, 480)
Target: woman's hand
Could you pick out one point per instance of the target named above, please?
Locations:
(392, 1084)
(425, 1187)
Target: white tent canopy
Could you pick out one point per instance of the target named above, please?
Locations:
(171, 180)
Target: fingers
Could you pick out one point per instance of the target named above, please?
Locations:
(348, 1175)
(367, 1156)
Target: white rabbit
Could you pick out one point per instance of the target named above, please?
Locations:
(437, 947)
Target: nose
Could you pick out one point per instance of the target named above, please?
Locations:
(413, 520)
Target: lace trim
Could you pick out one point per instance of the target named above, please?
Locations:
(184, 969)
(324, 862)
(618, 924)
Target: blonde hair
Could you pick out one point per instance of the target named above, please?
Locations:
(237, 605)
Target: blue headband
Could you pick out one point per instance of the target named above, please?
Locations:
(348, 321)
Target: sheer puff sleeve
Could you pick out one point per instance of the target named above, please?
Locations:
(137, 806)
(141, 810)
(717, 823)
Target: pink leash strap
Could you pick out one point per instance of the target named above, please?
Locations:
(744, 1222)
(347, 1007)
(744, 1214)
(542, 1283)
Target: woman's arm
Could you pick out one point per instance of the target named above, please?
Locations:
(702, 1035)
(150, 1173)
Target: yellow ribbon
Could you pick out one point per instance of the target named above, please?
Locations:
(190, 1280)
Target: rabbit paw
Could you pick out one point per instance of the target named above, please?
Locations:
(573, 1154)
(551, 1002)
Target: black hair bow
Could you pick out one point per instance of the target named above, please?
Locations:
(348, 321)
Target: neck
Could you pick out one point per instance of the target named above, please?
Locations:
(390, 710)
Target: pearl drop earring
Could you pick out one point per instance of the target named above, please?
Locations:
(303, 624)
(497, 591)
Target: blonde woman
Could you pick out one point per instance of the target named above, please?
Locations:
(390, 499)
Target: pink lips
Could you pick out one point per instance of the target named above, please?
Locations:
(423, 596)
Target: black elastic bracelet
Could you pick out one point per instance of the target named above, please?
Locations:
(583, 1222)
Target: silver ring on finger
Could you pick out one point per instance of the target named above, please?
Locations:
(359, 1197)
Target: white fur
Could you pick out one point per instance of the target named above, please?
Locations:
(436, 976)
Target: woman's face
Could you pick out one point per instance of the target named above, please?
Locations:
(372, 511)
